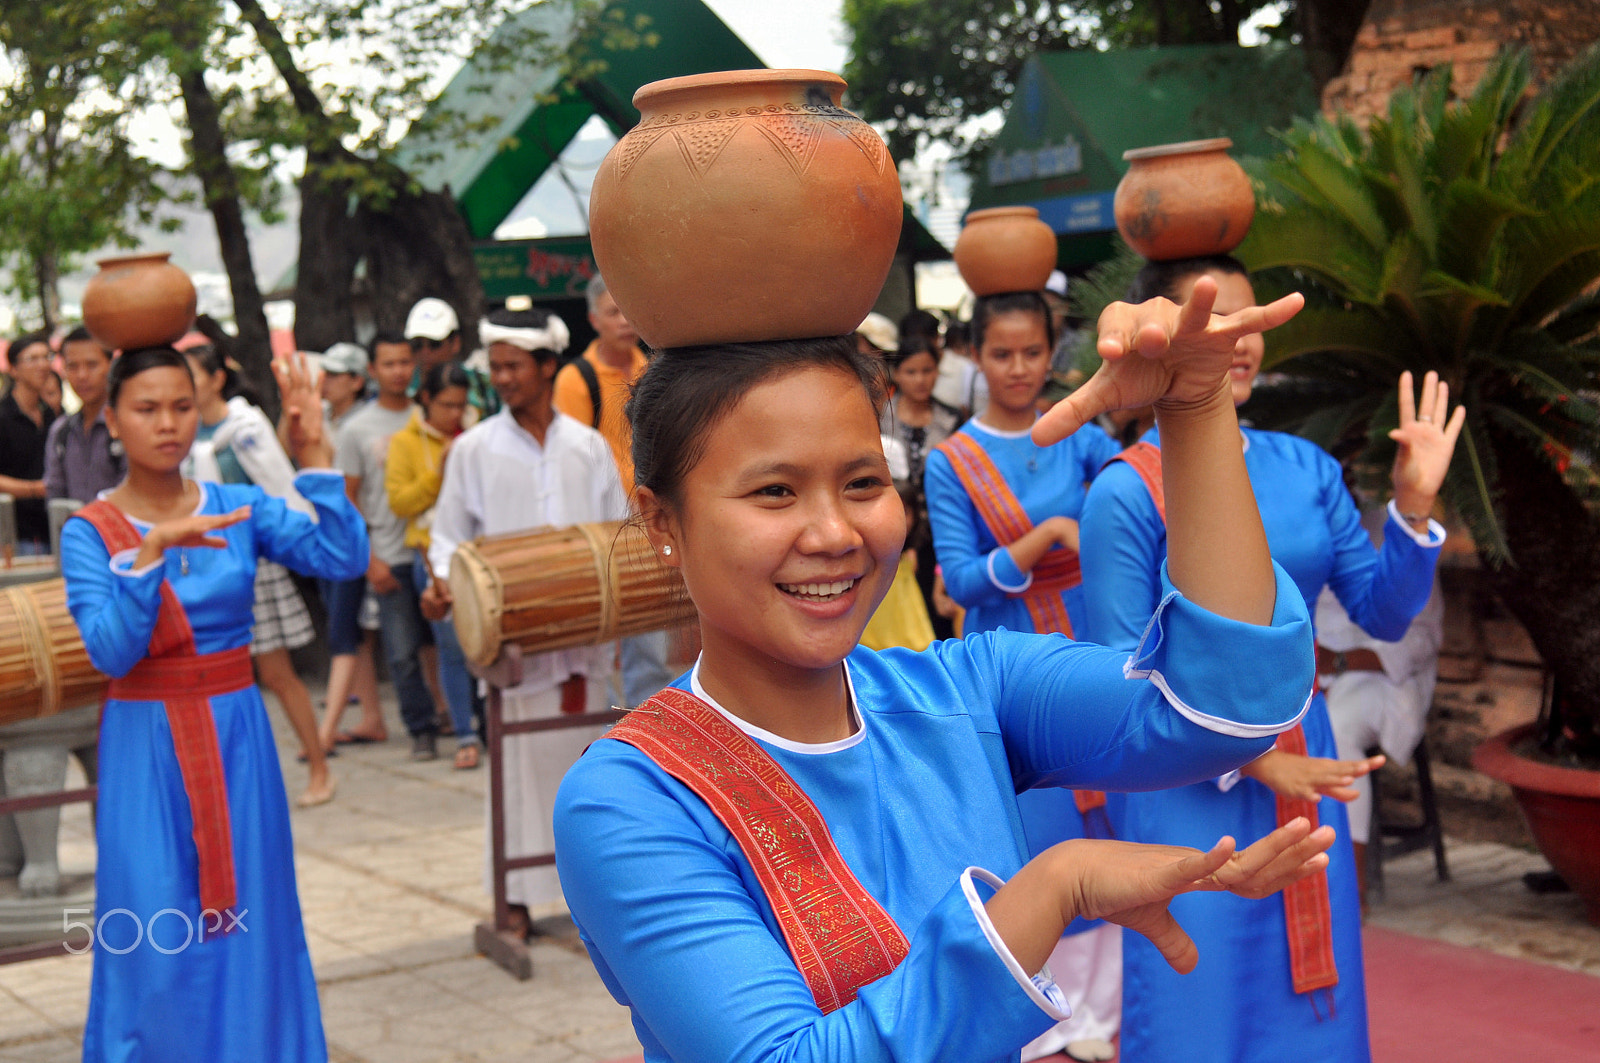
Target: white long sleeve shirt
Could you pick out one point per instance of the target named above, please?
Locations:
(499, 479)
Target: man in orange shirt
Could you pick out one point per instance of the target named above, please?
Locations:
(594, 389)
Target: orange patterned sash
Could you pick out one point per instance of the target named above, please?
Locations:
(839, 935)
(1007, 521)
(1308, 913)
(183, 681)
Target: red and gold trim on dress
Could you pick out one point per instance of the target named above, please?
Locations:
(840, 937)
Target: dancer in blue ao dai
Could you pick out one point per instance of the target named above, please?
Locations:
(1239, 1005)
(173, 982)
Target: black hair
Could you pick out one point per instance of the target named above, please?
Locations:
(1163, 278)
(385, 337)
(990, 307)
(450, 374)
(141, 360)
(921, 324)
(909, 345)
(26, 340)
(686, 391)
(957, 334)
(213, 361)
(82, 335)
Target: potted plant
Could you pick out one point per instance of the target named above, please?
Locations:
(1463, 236)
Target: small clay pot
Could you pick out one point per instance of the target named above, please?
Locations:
(1005, 249)
(746, 205)
(1184, 200)
(138, 301)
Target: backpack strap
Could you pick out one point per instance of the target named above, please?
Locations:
(592, 380)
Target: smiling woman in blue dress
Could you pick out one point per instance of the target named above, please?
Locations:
(200, 954)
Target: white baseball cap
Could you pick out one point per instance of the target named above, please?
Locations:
(431, 319)
(1057, 283)
(344, 358)
(880, 332)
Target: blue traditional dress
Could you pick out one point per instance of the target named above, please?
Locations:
(921, 804)
(172, 982)
(1239, 1005)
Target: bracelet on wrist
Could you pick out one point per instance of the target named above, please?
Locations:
(1416, 518)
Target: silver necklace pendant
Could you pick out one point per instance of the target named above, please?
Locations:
(183, 562)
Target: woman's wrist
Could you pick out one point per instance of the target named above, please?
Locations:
(1218, 403)
(1415, 508)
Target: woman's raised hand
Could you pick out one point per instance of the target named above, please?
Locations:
(1161, 353)
(1131, 884)
(192, 531)
(1427, 440)
(298, 380)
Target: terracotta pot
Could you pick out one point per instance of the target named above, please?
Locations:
(1005, 249)
(1184, 200)
(138, 301)
(1561, 805)
(746, 205)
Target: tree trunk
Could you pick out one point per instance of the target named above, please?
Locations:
(47, 275)
(1328, 31)
(1554, 586)
(419, 246)
(208, 146)
(330, 248)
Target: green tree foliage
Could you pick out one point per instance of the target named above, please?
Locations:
(1461, 237)
(924, 69)
(70, 180)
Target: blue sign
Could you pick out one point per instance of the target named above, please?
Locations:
(1089, 213)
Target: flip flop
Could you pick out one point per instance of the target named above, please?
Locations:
(350, 738)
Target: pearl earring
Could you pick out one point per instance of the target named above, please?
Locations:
(667, 550)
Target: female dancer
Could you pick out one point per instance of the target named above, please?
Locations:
(200, 952)
(1255, 997)
(1004, 515)
(860, 807)
(413, 476)
(236, 444)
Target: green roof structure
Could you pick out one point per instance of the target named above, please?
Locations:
(523, 121)
(1075, 112)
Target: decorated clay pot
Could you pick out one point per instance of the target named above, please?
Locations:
(1005, 249)
(138, 301)
(1184, 200)
(746, 205)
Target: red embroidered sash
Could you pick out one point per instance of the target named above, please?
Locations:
(1007, 521)
(839, 935)
(183, 682)
(1308, 913)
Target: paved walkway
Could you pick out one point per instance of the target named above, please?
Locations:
(391, 880)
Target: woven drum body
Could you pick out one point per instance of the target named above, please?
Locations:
(44, 667)
(554, 588)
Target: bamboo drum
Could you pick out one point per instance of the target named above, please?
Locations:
(44, 667)
(555, 588)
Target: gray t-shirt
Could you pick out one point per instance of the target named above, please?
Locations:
(362, 449)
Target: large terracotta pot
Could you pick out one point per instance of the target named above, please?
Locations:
(1184, 200)
(1005, 249)
(138, 301)
(1561, 805)
(746, 205)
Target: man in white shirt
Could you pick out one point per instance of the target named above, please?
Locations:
(527, 467)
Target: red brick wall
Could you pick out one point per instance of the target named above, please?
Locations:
(1401, 36)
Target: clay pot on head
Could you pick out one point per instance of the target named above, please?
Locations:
(1184, 200)
(138, 301)
(1005, 249)
(746, 205)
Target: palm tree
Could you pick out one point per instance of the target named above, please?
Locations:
(1462, 236)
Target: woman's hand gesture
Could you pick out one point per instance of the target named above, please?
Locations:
(192, 531)
(1302, 778)
(1426, 441)
(1161, 353)
(1131, 885)
(298, 380)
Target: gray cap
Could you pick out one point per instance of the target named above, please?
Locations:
(344, 358)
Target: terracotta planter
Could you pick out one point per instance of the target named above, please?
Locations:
(1005, 249)
(138, 301)
(1561, 805)
(1184, 200)
(746, 205)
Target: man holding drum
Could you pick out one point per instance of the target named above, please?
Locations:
(526, 467)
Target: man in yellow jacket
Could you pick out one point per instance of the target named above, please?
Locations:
(594, 389)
